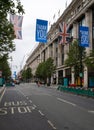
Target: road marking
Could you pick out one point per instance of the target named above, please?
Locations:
(91, 112)
(21, 92)
(51, 124)
(34, 105)
(2, 94)
(40, 112)
(65, 101)
(30, 101)
(27, 97)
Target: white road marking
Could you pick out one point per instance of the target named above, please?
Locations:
(40, 112)
(27, 97)
(21, 92)
(51, 124)
(91, 112)
(30, 101)
(34, 105)
(65, 101)
(2, 94)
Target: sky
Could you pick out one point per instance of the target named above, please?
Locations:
(34, 9)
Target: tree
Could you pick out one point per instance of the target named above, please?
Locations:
(4, 67)
(89, 60)
(40, 71)
(75, 58)
(6, 28)
(23, 75)
(50, 67)
(45, 69)
(27, 74)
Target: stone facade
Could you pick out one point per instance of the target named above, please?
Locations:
(77, 13)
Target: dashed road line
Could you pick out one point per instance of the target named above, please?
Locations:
(65, 101)
(41, 112)
(34, 105)
(21, 92)
(27, 97)
(91, 111)
(30, 101)
(51, 124)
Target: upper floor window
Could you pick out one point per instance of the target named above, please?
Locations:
(82, 22)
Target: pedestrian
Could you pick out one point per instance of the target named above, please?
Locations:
(38, 83)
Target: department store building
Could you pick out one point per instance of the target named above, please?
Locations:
(78, 13)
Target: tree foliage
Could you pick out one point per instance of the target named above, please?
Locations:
(6, 28)
(76, 55)
(4, 67)
(45, 69)
(89, 60)
(27, 74)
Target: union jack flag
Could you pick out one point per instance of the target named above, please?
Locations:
(63, 34)
(17, 23)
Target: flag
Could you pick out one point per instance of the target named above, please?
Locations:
(63, 34)
(84, 36)
(41, 30)
(17, 23)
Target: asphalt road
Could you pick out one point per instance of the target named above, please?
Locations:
(28, 107)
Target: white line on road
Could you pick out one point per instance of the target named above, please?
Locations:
(51, 124)
(40, 112)
(2, 94)
(91, 112)
(65, 101)
(34, 105)
(30, 101)
(27, 97)
(21, 92)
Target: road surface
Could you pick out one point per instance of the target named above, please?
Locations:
(29, 107)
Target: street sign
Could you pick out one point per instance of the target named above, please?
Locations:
(84, 36)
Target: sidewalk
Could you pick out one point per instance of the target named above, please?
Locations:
(54, 86)
(89, 92)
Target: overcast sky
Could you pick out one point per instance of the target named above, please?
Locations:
(34, 9)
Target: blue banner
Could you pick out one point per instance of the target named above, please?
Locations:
(41, 30)
(84, 36)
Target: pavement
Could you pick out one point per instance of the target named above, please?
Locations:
(54, 86)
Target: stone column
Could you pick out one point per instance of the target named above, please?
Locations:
(75, 31)
(72, 75)
(48, 52)
(56, 77)
(85, 77)
(59, 54)
(88, 23)
(64, 73)
(54, 51)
